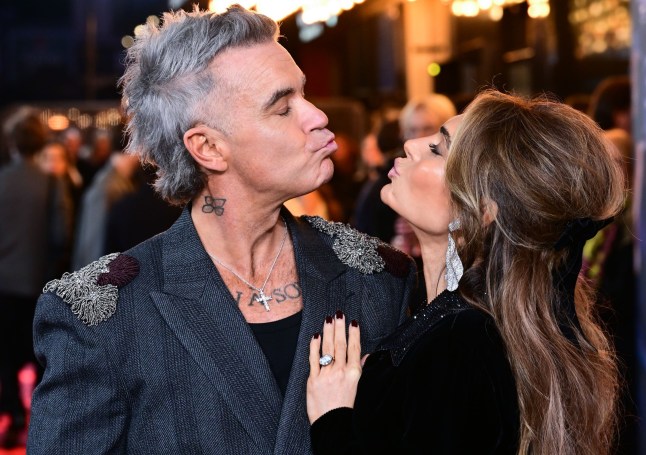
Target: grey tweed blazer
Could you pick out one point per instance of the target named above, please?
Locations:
(177, 370)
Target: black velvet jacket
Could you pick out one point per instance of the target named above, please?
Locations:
(441, 384)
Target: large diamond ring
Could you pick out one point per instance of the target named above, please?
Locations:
(326, 360)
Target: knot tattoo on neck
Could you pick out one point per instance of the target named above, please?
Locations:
(213, 205)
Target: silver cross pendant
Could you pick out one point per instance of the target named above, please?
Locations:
(262, 298)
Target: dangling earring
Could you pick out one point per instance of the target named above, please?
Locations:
(454, 267)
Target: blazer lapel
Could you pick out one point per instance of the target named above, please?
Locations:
(199, 309)
(322, 279)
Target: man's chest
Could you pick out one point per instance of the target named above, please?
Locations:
(278, 297)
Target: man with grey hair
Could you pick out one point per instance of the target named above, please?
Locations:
(196, 341)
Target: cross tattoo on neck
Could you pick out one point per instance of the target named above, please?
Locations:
(262, 298)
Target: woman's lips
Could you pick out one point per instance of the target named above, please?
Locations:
(393, 172)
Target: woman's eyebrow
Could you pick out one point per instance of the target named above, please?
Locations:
(447, 136)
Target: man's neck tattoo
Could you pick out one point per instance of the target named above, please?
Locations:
(213, 205)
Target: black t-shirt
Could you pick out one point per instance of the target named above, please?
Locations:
(278, 341)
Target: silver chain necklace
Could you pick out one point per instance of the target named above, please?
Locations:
(262, 298)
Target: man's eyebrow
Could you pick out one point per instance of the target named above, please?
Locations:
(447, 136)
(279, 94)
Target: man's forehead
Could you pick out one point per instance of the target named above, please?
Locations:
(238, 59)
(257, 66)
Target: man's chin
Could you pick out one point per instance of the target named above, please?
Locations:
(327, 171)
(384, 195)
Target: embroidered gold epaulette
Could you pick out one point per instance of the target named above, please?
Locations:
(361, 251)
(92, 291)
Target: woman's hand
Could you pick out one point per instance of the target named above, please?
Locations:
(334, 385)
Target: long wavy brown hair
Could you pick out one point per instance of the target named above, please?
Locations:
(519, 170)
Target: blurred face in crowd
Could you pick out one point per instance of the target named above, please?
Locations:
(102, 147)
(421, 123)
(73, 142)
(418, 190)
(277, 140)
(345, 157)
(370, 153)
(54, 160)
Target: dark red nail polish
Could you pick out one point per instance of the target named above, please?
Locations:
(328, 319)
(339, 314)
(316, 335)
(354, 323)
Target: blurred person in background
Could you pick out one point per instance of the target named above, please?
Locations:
(72, 140)
(5, 153)
(340, 193)
(610, 103)
(608, 257)
(372, 216)
(114, 181)
(371, 157)
(374, 152)
(608, 266)
(54, 161)
(95, 155)
(422, 117)
(35, 222)
(138, 215)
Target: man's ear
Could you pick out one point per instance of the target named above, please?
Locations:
(207, 147)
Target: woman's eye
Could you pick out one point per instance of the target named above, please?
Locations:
(434, 149)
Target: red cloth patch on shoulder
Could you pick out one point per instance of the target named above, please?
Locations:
(397, 263)
(122, 270)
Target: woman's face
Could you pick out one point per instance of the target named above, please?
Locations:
(418, 190)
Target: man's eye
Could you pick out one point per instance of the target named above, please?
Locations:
(285, 112)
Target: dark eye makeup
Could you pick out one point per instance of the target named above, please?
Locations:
(434, 148)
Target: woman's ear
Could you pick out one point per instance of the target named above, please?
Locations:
(207, 147)
(489, 211)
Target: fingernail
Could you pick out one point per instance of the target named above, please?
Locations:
(328, 319)
(354, 323)
(316, 336)
(339, 314)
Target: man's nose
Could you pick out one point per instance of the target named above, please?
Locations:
(316, 118)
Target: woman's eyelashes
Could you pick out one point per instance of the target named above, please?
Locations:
(434, 149)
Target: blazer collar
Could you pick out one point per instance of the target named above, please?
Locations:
(186, 265)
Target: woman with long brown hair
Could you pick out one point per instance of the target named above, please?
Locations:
(507, 356)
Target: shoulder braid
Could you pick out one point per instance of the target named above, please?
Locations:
(360, 251)
(92, 292)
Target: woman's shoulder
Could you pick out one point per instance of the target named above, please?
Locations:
(464, 351)
(471, 323)
(469, 331)
(448, 322)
